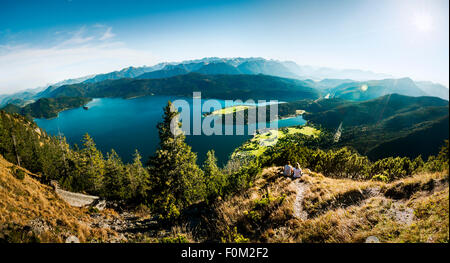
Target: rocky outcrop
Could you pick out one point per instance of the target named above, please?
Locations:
(75, 199)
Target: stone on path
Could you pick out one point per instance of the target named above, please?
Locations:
(72, 239)
(372, 239)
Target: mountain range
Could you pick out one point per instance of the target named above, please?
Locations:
(338, 83)
(378, 118)
(211, 86)
(366, 90)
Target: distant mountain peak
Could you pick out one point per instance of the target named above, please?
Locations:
(323, 77)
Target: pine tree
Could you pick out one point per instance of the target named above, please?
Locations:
(92, 166)
(51, 159)
(215, 180)
(115, 181)
(139, 179)
(176, 180)
(443, 153)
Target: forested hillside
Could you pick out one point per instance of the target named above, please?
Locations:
(47, 107)
(31, 212)
(211, 86)
(244, 201)
(380, 111)
(415, 125)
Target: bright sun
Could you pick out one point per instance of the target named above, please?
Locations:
(423, 22)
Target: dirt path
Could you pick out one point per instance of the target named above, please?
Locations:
(298, 204)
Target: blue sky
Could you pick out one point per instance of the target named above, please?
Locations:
(44, 42)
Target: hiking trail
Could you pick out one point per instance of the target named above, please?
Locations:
(298, 204)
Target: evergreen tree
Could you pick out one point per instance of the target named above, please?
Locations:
(176, 180)
(439, 162)
(418, 163)
(215, 179)
(51, 159)
(115, 181)
(139, 179)
(92, 166)
(443, 153)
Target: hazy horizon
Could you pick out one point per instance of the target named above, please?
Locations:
(49, 41)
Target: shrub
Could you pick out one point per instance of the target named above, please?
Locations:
(440, 162)
(393, 168)
(178, 239)
(18, 173)
(242, 179)
(347, 163)
(231, 235)
(380, 177)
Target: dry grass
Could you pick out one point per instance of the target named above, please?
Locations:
(325, 193)
(413, 209)
(345, 210)
(248, 210)
(376, 217)
(406, 187)
(25, 202)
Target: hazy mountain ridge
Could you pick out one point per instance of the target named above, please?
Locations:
(167, 72)
(129, 72)
(433, 89)
(367, 90)
(212, 86)
(325, 79)
(319, 73)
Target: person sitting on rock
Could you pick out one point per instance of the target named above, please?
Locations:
(298, 171)
(288, 169)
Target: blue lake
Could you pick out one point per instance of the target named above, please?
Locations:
(126, 125)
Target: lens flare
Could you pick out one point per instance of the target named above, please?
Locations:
(364, 87)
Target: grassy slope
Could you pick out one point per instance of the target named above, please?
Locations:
(259, 143)
(26, 202)
(414, 209)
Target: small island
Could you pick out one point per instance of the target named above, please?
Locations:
(229, 110)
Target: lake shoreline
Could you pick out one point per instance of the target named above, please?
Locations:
(129, 124)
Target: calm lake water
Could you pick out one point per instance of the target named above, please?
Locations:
(126, 125)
